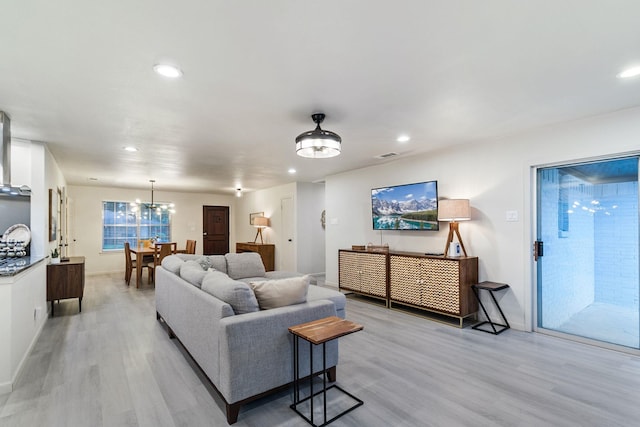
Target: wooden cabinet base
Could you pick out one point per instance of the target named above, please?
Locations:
(434, 284)
(266, 251)
(66, 280)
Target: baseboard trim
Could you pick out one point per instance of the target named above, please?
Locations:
(9, 385)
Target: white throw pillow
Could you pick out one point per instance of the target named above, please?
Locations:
(282, 292)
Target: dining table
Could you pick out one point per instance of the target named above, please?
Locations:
(141, 251)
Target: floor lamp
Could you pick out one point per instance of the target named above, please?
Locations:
(260, 223)
(454, 210)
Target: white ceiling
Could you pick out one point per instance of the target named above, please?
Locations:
(78, 75)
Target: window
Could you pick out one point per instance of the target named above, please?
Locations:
(121, 223)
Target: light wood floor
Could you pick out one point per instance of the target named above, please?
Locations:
(114, 365)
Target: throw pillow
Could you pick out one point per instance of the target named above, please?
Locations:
(282, 292)
(245, 264)
(192, 272)
(237, 294)
(172, 263)
(205, 262)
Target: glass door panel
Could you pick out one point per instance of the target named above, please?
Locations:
(588, 281)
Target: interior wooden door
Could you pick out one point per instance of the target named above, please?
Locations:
(215, 230)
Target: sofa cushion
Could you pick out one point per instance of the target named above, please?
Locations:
(192, 272)
(245, 264)
(274, 275)
(280, 293)
(319, 293)
(217, 262)
(237, 294)
(172, 263)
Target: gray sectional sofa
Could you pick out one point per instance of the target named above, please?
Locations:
(209, 304)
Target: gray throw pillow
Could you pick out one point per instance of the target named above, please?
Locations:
(245, 264)
(237, 294)
(205, 262)
(172, 263)
(192, 272)
(281, 292)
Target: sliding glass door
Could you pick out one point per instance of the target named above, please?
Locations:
(587, 223)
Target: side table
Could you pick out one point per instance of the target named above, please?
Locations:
(319, 332)
(491, 287)
(66, 280)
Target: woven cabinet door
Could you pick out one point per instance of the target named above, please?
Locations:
(373, 279)
(349, 274)
(405, 281)
(442, 290)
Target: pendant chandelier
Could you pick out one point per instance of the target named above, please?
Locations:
(318, 143)
(170, 207)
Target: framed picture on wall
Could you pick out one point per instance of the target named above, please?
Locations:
(53, 214)
(253, 216)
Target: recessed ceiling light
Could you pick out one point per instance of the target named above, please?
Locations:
(403, 138)
(167, 71)
(629, 72)
(292, 171)
(132, 149)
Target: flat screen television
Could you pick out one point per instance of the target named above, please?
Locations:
(405, 207)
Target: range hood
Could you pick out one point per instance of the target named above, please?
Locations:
(6, 189)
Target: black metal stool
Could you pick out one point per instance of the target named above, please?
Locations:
(491, 287)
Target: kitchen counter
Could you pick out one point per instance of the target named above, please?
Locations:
(14, 266)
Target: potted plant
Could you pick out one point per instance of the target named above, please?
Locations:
(55, 256)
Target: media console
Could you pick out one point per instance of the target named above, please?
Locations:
(437, 284)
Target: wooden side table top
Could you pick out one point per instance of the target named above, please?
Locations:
(323, 330)
(491, 286)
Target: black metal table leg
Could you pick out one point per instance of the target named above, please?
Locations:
(296, 373)
(490, 287)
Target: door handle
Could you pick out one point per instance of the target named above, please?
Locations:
(538, 249)
(204, 233)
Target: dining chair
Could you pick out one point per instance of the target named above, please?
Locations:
(161, 250)
(191, 247)
(173, 246)
(130, 264)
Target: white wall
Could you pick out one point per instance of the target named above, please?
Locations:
(267, 201)
(55, 181)
(86, 225)
(311, 236)
(496, 177)
(23, 305)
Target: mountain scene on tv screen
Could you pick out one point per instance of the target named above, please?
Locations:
(407, 207)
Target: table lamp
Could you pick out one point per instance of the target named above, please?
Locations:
(260, 222)
(454, 210)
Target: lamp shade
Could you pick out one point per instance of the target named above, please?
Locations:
(261, 222)
(454, 210)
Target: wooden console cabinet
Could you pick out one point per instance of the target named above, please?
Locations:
(434, 283)
(437, 284)
(364, 273)
(66, 280)
(266, 251)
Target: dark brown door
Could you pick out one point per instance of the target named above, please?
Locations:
(215, 230)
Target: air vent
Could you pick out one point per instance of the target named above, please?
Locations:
(386, 155)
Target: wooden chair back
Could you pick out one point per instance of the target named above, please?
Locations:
(128, 263)
(191, 247)
(127, 255)
(164, 249)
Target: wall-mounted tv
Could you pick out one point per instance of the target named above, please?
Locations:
(405, 207)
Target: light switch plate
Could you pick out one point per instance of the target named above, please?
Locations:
(512, 216)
